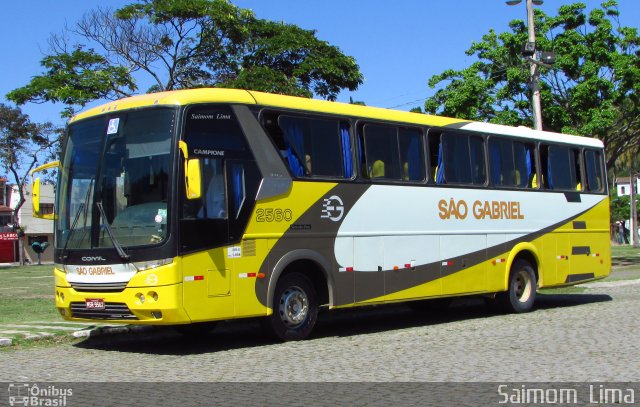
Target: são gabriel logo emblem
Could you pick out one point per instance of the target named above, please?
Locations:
(333, 208)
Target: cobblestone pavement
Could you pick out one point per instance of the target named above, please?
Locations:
(591, 336)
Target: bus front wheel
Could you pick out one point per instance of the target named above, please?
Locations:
(295, 308)
(521, 293)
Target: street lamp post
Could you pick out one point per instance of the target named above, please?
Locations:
(534, 63)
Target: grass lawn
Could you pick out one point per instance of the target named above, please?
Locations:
(26, 294)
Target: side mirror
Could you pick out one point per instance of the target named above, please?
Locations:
(35, 198)
(192, 179)
(35, 190)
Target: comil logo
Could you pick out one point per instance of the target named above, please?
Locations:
(24, 394)
(93, 258)
(332, 208)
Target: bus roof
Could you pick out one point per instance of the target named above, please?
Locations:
(237, 96)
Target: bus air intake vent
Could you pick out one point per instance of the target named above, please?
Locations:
(102, 287)
(112, 310)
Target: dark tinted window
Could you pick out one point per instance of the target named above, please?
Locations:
(381, 152)
(393, 153)
(594, 170)
(312, 144)
(213, 131)
(411, 154)
(511, 163)
(559, 168)
(463, 159)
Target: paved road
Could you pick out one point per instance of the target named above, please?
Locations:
(569, 337)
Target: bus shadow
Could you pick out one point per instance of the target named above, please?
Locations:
(241, 334)
(549, 301)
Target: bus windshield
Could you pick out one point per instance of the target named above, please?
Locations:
(114, 182)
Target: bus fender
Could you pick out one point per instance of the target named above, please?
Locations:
(515, 251)
(295, 255)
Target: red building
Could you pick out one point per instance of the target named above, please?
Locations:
(7, 236)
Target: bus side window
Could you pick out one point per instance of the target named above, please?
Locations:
(594, 171)
(392, 153)
(214, 190)
(381, 152)
(436, 171)
(463, 158)
(525, 163)
(578, 169)
(559, 168)
(411, 154)
(312, 147)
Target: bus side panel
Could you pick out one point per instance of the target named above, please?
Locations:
(246, 277)
(344, 287)
(207, 290)
(369, 256)
(465, 279)
(411, 250)
(496, 262)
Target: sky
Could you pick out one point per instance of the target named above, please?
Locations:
(398, 45)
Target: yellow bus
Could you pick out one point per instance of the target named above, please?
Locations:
(194, 206)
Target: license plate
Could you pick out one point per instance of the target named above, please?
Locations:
(94, 303)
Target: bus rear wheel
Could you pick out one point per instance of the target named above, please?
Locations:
(521, 292)
(295, 308)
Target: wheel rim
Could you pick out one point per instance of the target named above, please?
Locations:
(294, 307)
(523, 286)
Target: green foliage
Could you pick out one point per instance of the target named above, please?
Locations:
(620, 206)
(22, 143)
(185, 44)
(74, 78)
(591, 90)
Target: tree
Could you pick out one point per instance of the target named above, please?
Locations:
(22, 144)
(620, 207)
(591, 90)
(75, 78)
(179, 44)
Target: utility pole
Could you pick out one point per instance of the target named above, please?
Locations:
(535, 72)
(634, 215)
(534, 63)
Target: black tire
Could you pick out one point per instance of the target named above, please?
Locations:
(295, 308)
(195, 329)
(521, 292)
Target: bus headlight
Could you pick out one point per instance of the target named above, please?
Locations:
(151, 264)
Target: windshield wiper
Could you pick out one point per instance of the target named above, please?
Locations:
(116, 245)
(81, 208)
(73, 228)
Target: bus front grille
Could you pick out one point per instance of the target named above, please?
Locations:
(102, 287)
(112, 310)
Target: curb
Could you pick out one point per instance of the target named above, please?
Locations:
(112, 330)
(610, 284)
(95, 332)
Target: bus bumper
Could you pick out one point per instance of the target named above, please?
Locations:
(159, 305)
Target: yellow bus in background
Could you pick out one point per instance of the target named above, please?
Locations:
(193, 206)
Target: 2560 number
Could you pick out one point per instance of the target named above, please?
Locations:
(274, 215)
